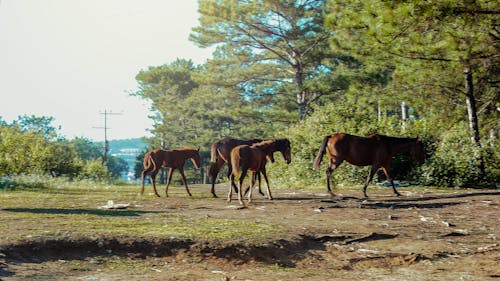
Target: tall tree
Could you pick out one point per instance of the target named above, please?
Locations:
(269, 44)
(456, 35)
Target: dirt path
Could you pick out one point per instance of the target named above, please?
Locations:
(423, 235)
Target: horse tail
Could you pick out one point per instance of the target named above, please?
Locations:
(235, 161)
(213, 152)
(213, 170)
(319, 157)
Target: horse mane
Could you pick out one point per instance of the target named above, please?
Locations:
(393, 139)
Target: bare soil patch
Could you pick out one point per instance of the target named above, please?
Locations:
(423, 235)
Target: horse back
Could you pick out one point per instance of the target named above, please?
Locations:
(247, 157)
(357, 150)
(224, 147)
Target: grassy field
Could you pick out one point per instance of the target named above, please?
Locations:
(54, 229)
(76, 209)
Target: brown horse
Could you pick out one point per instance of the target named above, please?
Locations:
(375, 150)
(253, 158)
(174, 159)
(221, 154)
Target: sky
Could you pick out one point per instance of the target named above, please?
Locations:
(74, 60)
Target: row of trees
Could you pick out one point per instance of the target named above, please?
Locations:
(308, 68)
(32, 145)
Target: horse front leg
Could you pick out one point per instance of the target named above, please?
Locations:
(369, 179)
(181, 170)
(387, 174)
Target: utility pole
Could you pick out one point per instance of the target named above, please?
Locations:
(106, 128)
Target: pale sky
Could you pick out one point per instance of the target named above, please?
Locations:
(73, 59)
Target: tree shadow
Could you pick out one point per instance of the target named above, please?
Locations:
(97, 212)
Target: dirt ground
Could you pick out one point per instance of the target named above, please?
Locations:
(426, 234)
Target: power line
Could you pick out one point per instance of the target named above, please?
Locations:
(106, 128)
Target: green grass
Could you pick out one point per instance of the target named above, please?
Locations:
(70, 209)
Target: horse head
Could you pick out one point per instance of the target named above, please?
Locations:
(417, 150)
(283, 146)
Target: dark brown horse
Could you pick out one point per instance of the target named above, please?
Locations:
(375, 150)
(253, 158)
(221, 154)
(174, 159)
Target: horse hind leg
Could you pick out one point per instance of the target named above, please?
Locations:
(329, 171)
(369, 179)
(259, 180)
(387, 174)
(213, 172)
(230, 192)
(153, 180)
(143, 177)
(169, 179)
(240, 193)
(229, 173)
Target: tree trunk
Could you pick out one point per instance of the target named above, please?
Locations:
(472, 115)
(301, 93)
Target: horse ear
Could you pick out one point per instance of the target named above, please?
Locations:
(198, 149)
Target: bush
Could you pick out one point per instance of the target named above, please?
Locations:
(455, 161)
(94, 170)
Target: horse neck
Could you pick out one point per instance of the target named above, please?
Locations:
(267, 147)
(191, 154)
(401, 145)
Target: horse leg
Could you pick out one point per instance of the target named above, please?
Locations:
(252, 184)
(230, 192)
(328, 175)
(181, 170)
(240, 193)
(260, 189)
(153, 180)
(229, 173)
(386, 172)
(369, 179)
(329, 171)
(143, 177)
(251, 187)
(264, 173)
(170, 173)
(214, 171)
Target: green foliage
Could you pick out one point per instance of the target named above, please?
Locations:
(24, 152)
(270, 50)
(94, 170)
(454, 163)
(116, 166)
(31, 146)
